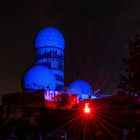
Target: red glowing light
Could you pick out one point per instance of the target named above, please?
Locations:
(87, 109)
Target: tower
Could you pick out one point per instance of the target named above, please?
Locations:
(49, 52)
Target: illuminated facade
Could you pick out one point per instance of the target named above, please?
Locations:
(49, 52)
(48, 72)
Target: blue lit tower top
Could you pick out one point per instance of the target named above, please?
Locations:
(38, 77)
(49, 52)
(81, 88)
(50, 36)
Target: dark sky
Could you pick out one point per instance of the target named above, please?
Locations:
(96, 32)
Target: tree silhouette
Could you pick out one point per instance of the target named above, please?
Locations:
(129, 82)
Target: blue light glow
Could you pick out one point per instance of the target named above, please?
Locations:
(81, 88)
(50, 37)
(49, 52)
(39, 77)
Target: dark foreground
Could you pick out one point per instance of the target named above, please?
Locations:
(111, 119)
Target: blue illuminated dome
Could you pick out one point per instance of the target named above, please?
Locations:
(81, 88)
(50, 37)
(38, 77)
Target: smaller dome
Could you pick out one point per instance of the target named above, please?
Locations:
(81, 88)
(50, 37)
(38, 77)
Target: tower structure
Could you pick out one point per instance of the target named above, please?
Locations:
(49, 52)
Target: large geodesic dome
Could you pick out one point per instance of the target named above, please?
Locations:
(38, 77)
(50, 37)
(81, 88)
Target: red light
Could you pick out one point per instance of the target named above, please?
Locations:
(87, 109)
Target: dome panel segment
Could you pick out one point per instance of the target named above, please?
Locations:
(39, 77)
(50, 37)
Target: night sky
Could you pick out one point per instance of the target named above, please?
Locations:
(96, 32)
